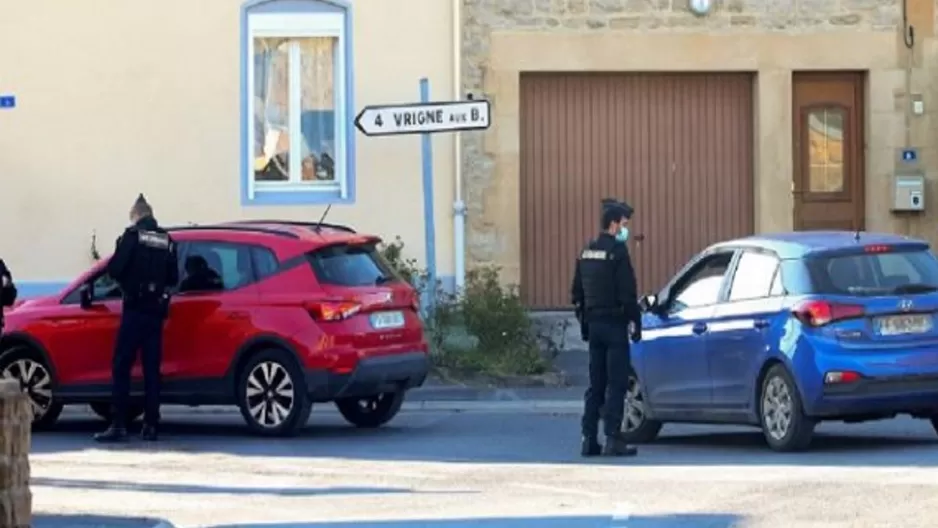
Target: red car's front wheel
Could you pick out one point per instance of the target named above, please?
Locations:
(28, 367)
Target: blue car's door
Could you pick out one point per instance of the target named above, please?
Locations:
(743, 328)
(675, 365)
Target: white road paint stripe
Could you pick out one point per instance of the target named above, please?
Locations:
(621, 515)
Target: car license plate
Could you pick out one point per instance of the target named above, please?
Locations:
(383, 320)
(903, 324)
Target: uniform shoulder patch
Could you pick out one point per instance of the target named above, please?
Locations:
(594, 254)
(153, 239)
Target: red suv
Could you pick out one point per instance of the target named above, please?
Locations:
(270, 316)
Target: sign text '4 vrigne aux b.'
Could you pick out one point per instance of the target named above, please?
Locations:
(424, 118)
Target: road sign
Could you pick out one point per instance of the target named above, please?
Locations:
(424, 118)
(7, 102)
(909, 155)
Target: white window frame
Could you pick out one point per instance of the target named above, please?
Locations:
(299, 25)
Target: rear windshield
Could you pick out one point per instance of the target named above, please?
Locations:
(346, 265)
(893, 273)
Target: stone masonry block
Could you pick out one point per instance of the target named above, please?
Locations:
(15, 422)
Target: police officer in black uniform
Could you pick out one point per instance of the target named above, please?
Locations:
(605, 288)
(7, 289)
(144, 265)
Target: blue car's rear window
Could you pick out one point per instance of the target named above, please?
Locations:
(876, 273)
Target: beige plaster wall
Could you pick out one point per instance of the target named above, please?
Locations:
(769, 37)
(118, 97)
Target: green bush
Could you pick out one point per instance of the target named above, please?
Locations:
(483, 329)
(406, 268)
(503, 337)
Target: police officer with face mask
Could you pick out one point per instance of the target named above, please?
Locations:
(578, 307)
(604, 286)
(144, 265)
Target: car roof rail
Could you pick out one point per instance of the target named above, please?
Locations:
(297, 223)
(229, 227)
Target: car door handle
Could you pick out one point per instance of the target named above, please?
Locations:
(761, 324)
(699, 328)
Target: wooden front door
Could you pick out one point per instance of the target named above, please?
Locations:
(828, 150)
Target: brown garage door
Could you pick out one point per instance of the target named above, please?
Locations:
(676, 146)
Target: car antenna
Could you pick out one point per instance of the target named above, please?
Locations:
(856, 236)
(322, 219)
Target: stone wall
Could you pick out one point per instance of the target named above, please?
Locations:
(484, 239)
(15, 424)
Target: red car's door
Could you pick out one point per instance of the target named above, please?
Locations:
(203, 334)
(206, 326)
(82, 339)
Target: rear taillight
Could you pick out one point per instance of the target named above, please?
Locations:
(820, 313)
(877, 248)
(333, 310)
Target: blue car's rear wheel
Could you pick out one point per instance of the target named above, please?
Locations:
(784, 424)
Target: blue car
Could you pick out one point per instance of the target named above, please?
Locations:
(786, 330)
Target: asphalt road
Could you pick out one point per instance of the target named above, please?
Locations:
(459, 470)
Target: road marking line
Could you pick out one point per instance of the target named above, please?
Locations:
(621, 515)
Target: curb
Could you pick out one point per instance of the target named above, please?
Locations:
(163, 524)
(530, 406)
(492, 406)
(462, 406)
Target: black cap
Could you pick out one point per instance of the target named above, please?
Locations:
(140, 200)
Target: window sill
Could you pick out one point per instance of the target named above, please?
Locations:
(315, 196)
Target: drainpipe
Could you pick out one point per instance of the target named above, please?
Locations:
(908, 38)
(459, 208)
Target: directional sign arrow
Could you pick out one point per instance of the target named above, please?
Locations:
(424, 118)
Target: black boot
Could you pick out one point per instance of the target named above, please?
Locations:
(148, 433)
(590, 447)
(114, 433)
(616, 446)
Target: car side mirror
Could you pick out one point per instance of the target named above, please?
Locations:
(84, 296)
(648, 303)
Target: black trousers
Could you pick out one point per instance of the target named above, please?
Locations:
(608, 371)
(144, 333)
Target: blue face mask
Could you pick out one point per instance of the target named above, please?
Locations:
(623, 234)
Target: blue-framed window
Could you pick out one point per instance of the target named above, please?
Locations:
(298, 147)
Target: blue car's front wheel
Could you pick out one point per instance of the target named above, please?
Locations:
(784, 424)
(636, 426)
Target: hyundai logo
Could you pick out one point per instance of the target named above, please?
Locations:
(905, 305)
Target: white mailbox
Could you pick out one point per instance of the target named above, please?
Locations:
(908, 192)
